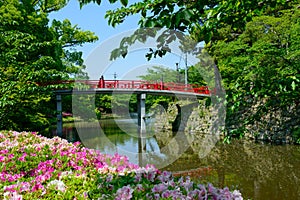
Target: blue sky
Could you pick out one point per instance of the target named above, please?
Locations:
(91, 17)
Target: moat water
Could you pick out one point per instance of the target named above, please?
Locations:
(259, 171)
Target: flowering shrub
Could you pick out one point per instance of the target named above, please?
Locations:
(35, 167)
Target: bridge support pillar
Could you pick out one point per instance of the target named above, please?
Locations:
(141, 98)
(59, 128)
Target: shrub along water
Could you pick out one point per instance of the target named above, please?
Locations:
(36, 167)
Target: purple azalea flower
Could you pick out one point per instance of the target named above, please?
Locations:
(156, 196)
(109, 178)
(151, 175)
(166, 194)
(237, 195)
(139, 187)
(124, 193)
(159, 188)
(165, 176)
(138, 177)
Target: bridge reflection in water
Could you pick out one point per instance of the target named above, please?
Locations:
(123, 136)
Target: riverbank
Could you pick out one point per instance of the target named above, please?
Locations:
(36, 167)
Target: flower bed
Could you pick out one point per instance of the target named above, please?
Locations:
(36, 167)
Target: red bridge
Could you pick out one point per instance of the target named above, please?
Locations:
(137, 86)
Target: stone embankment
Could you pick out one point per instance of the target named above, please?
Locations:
(198, 121)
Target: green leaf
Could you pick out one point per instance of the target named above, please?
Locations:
(113, 1)
(293, 85)
(124, 2)
(149, 23)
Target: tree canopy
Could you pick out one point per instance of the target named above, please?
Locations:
(202, 18)
(33, 52)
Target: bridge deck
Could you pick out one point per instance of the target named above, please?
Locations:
(133, 91)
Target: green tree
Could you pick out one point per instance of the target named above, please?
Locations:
(261, 71)
(158, 73)
(32, 53)
(119, 104)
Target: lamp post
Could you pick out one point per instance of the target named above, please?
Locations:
(185, 71)
(178, 75)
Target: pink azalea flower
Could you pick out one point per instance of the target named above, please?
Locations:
(58, 185)
(37, 186)
(2, 158)
(10, 156)
(4, 151)
(22, 158)
(12, 196)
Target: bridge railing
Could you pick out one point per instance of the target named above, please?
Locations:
(147, 85)
(134, 84)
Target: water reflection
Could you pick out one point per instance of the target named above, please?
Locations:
(259, 171)
(121, 136)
